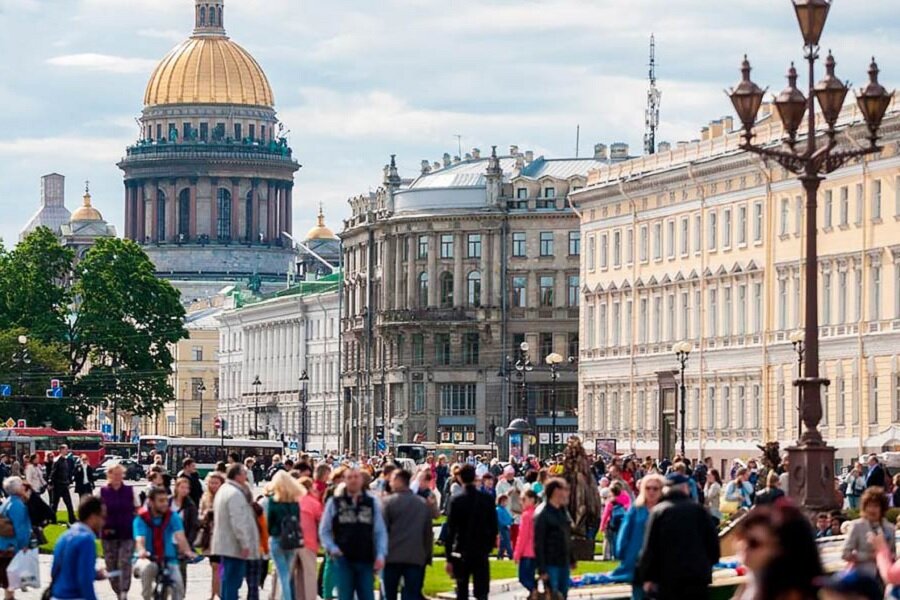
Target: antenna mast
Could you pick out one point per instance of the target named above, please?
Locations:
(651, 115)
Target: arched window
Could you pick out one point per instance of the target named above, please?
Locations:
(248, 217)
(446, 299)
(184, 213)
(219, 20)
(223, 221)
(423, 289)
(160, 216)
(473, 288)
(202, 16)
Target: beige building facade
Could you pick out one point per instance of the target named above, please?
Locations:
(704, 243)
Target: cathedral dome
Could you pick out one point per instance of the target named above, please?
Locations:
(86, 212)
(320, 231)
(209, 68)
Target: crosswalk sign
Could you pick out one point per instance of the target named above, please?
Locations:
(5, 390)
(293, 446)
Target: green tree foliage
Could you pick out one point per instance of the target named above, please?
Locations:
(30, 378)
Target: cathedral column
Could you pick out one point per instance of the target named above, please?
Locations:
(432, 270)
(235, 209)
(137, 194)
(154, 200)
(129, 210)
(171, 210)
(399, 245)
(254, 225)
(412, 277)
(459, 278)
(270, 211)
(193, 229)
(289, 212)
(213, 209)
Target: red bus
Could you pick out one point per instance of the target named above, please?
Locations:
(19, 441)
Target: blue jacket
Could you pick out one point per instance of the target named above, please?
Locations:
(74, 564)
(504, 517)
(629, 543)
(15, 510)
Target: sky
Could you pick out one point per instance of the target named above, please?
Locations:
(358, 80)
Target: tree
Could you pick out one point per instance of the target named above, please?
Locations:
(123, 323)
(30, 380)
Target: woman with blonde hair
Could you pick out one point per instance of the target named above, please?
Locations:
(283, 522)
(214, 481)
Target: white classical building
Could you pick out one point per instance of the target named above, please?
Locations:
(274, 340)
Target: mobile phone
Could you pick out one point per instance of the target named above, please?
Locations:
(114, 574)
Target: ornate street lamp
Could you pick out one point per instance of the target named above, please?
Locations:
(553, 360)
(682, 351)
(797, 342)
(256, 383)
(811, 458)
(523, 368)
(200, 389)
(304, 381)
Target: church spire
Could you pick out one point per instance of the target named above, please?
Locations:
(208, 17)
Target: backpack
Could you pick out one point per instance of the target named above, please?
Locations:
(291, 536)
(617, 517)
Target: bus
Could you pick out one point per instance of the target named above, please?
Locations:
(206, 452)
(453, 452)
(20, 441)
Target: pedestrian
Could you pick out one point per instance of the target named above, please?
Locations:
(250, 463)
(712, 494)
(823, 525)
(772, 491)
(275, 467)
(875, 476)
(354, 534)
(74, 568)
(441, 472)
(189, 471)
(524, 551)
(407, 518)
(60, 477)
(855, 486)
(84, 477)
(39, 512)
(504, 522)
(630, 539)
(681, 546)
(306, 568)
(512, 488)
(235, 536)
(182, 504)
(553, 537)
(203, 541)
(329, 567)
(117, 536)
(34, 475)
(14, 510)
(285, 533)
(158, 540)
(471, 536)
(738, 492)
(614, 515)
(858, 549)
(776, 545)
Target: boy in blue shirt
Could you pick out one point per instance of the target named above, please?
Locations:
(504, 523)
(158, 537)
(74, 567)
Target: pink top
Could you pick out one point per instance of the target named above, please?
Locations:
(310, 515)
(525, 541)
(887, 568)
(623, 498)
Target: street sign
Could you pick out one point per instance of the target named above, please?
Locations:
(5, 390)
(218, 422)
(56, 392)
(21, 423)
(10, 422)
(293, 446)
(54, 383)
(106, 428)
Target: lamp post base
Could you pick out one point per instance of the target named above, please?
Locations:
(811, 477)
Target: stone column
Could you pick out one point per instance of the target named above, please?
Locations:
(412, 276)
(193, 229)
(140, 224)
(433, 249)
(459, 275)
(289, 209)
(270, 212)
(235, 209)
(172, 210)
(213, 209)
(487, 279)
(255, 203)
(154, 200)
(387, 272)
(399, 246)
(495, 271)
(129, 210)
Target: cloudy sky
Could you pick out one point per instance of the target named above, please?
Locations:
(358, 80)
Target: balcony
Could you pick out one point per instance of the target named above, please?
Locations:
(276, 152)
(416, 315)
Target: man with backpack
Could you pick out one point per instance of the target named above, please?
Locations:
(276, 466)
(158, 540)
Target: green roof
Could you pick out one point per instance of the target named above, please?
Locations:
(322, 285)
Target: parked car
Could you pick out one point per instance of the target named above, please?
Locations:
(133, 470)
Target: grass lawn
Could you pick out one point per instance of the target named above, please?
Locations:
(437, 580)
(53, 532)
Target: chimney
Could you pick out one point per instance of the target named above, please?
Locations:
(728, 123)
(513, 150)
(715, 129)
(681, 143)
(476, 153)
(520, 162)
(600, 152)
(664, 147)
(436, 166)
(456, 160)
(704, 134)
(529, 156)
(446, 159)
(618, 151)
(468, 156)
(426, 167)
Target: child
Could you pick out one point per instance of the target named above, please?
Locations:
(524, 553)
(504, 522)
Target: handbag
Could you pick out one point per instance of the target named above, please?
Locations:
(7, 529)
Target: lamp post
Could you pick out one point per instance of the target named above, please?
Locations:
(811, 456)
(200, 389)
(22, 359)
(256, 383)
(682, 351)
(504, 374)
(523, 367)
(797, 343)
(553, 360)
(304, 380)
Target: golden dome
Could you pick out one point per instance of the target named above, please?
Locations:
(320, 231)
(86, 212)
(208, 68)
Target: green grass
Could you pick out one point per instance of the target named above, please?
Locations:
(53, 533)
(437, 581)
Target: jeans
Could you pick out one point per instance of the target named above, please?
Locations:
(413, 579)
(853, 502)
(558, 579)
(253, 575)
(284, 560)
(526, 573)
(354, 578)
(117, 554)
(479, 570)
(233, 572)
(505, 547)
(149, 571)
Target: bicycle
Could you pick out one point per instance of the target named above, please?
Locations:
(164, 582)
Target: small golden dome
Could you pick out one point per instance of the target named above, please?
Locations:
(320, 231)
(86, 212)
(208, 68)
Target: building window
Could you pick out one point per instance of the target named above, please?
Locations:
(604, 325)
(741, 409)
(474, 245)
(782, 404)
(876, 200)
(574, 243)
(418, 349)
(546, 345)
(604, 250)
(238, 135)
(418, 396)
(423, 289)
(726, 228)
(657, 319)
(616, 325)
(629, 246)
(726, 408)
(657, 241)
(519, 291)
(160, 216)
(470, 349)
(458, 399)
(785, 215)
(840, 405)
(573, 290)
(572, 344)
(685, 315)
(827, 209)
(442, 349)
(875, 300)
(757, 221)
(592, 252)
(857, 294)
(873, 400)
(547, 243)
(798, 216)
(670, 239)
(685, 236)
(713, 313)
(184, 213)
(844, 206)
(826, 298)
(897, 196)
(698, 232)
(742, 225)
(617, 248)
(842, 297)
(713, 230)
(446, 300)
(742, 310)
(223, 218)
(447, 245)
(518, 244)
(251, 132)
(473, 288)
(197, 353)
(710, 407)
(546, 289)
(859, 204)
(422, 247)
(645, 244)
(644, 323)
(757, 307)
(782, 304)
(698, 300)
(590, 324)
(627, 322)
(670, 318)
